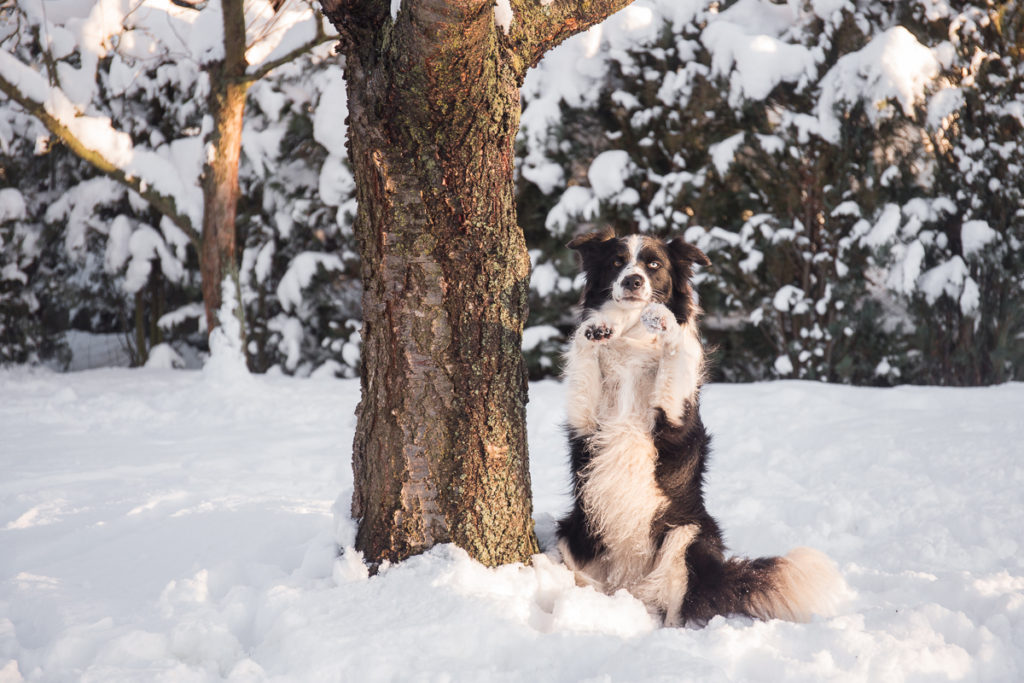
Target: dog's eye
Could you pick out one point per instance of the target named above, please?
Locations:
(653, 265)
(618, 263)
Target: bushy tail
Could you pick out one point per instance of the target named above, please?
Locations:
(803, 583)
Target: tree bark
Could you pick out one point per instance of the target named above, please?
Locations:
(226, 104)
(440, 448)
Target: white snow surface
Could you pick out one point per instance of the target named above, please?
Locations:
(163, 525)
(503, 15)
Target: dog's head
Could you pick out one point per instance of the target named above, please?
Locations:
(636, 270)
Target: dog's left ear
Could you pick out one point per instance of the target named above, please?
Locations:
(684, 252)
(683, 256)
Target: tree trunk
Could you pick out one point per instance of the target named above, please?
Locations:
(228, 88)
(440, 447)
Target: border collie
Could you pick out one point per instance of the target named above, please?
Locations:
(639, 451)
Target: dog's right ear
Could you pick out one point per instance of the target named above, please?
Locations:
(584, 243)
(590, 248)
(590, 245)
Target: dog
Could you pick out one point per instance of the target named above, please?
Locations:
(639, 450)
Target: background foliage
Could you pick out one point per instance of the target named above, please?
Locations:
(853, 169)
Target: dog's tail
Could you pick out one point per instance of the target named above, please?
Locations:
(803, 583)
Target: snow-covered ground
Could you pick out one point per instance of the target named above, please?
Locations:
(178, 526)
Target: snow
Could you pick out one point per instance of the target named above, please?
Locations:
(942, 104)
(503, 15)
(145, 245)
(572, 72)
(608, 173)
(892, 66)
(118, 249)
(300, 273)
(976, 234)
(12, 205)
(90, 350)
(329, 127)
(168, 525)
(97, 134)
(722, 153)
(576, 201)
(951, 278)
(538, 334)
(163, 356)
(754, 60)
(790, 298)
(226, 364)
(545, 279)
(179, 315)
(885, 227)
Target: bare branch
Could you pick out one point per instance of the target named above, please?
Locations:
(165, 204)
(320, 38)
(538, 28)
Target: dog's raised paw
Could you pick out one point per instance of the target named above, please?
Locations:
(656, 318)
(598, 332)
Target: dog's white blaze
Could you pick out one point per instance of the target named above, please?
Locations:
(633, 244)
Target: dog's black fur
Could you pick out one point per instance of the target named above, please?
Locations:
(713, 584)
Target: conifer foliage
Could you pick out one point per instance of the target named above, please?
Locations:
(852, 170)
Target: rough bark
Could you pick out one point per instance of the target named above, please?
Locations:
(440, 446)
(226, 104)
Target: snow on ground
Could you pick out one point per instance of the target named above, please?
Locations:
(164, 525)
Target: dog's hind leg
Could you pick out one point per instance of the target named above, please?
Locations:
(664, 588)
(583, 573)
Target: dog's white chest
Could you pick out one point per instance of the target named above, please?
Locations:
(628, 370)
(620, 491)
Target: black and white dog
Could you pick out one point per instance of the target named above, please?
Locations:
(639, 450)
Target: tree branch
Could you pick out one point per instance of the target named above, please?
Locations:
(537, 28)
(355, 20)
(162, 203)
(320, 38)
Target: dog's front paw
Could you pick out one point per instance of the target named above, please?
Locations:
(598, 332)
(656, 318)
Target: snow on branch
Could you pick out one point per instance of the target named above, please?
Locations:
(93, 139)
(320, 37)
(544, 24)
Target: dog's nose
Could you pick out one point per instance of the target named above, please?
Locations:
(632, 282)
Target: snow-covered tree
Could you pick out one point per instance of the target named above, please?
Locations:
(153, 74)
(957, 259)
(299, 270)
(152, 95)
(803, 146)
